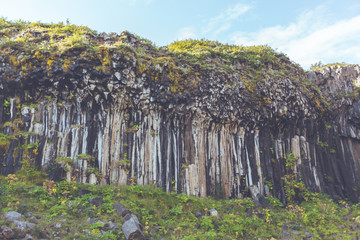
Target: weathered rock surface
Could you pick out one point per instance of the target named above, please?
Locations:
(203, 133)
(97, 201)
(7, 233)
(12, 216)
(213, 212)
(121, 210)
(22, 225)
(132, 228)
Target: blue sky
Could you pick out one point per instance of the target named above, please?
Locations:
(307, 31)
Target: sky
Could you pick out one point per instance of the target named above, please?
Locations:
(307, 31)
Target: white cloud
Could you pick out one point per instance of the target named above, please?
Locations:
(224, 20)
(311, 39)
(186, 33)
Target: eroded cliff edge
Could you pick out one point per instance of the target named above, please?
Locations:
(196, 116)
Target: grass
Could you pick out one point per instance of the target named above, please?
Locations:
(320, 66)
(170, 215)
(54, 46)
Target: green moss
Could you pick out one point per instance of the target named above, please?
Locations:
(86, 157)
(4, 141)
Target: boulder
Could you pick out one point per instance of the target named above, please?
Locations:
(213, 212)
(12, 215)
(131, 228)
(121, 210)
(286, 234)
(97, 201)
(129, 216)
(22, 225)
(112, 226)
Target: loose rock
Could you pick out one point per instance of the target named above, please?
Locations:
(131, 229)
(121, 210)
(97, 201)
(213, 212)
(28, 237)
(198, 214)
(22, 225)
(12, 215)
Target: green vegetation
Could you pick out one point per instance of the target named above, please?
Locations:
(295, 190)
(66, 160)
(255, 56)
(85, 157)
(170, 215)
(54, 46)
(319, 65)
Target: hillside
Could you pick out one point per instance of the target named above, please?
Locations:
(195, 117)
(74, 211)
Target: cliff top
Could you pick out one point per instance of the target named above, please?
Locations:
(220, 80)
(60, 40)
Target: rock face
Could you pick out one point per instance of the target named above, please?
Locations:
(207, 132)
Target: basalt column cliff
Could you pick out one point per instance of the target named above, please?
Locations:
(196, 116)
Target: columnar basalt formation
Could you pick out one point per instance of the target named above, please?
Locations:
(150, 117)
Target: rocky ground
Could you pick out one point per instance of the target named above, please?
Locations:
(81, 211)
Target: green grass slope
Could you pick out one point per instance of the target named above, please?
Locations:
(170, 215)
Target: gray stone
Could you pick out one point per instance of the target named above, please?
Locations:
(308, 235)
(97, 201)
(132, 230)
(28, 237)
(22, 225)
(90, 220)
(12, 215)
(213, 212)
(286, 234)
(295, 233)
(126, 71)
(112, 225)
(92, 87)
(130, 216)
(110, 87)
(198, 214)
(117, 75)
(121, 210)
